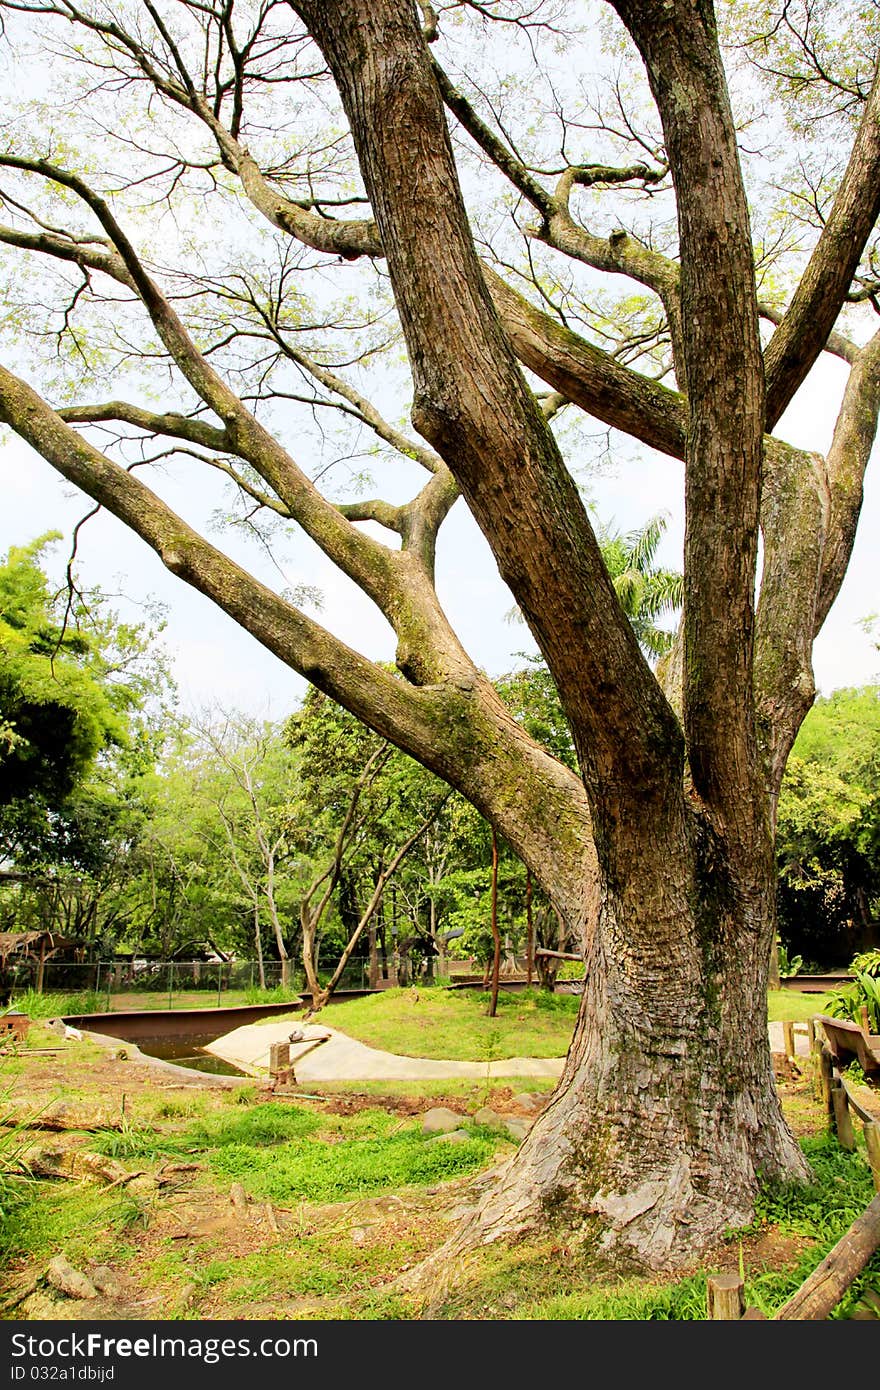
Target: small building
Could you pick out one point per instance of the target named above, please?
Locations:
(35, 946)
(14, 1025)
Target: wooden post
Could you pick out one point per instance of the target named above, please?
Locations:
(872, 1144)
(279, 1058)
(826, 1075)
(864, 1019)
(724, 1296)
(788, 1035)
(816, 1068)
(811, 1032)
(842, 1118)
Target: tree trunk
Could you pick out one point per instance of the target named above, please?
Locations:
(773, 979)
(373, 976)
(496, 935)
(258, 941)
(666, 1119)
(530, 931)
(310, 962)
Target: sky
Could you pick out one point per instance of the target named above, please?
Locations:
(216, 663)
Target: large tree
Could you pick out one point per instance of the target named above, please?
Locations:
(440, 195)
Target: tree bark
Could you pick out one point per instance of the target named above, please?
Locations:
(666, 1120)
(496, 935)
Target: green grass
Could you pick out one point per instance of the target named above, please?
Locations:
(791, 1006)
(454, 1024)
(57, 1004)
(286, 1152)
(822, 1211)
(39, 1006)
(315, 1171)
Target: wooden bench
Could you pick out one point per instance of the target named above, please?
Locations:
(849, 1042)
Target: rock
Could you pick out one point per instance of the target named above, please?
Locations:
(517, 1127)
(440, 1120)
(61, 1274)
(105, 1281)
(530, 1100)
(142, 1185)
(358, 1235)
(97, 1167)
(489, 1118)
(452, 1136)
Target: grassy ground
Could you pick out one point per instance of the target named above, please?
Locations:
(549, 1018)
(790, 1006)
(338, 1195)
(454, 1024)
(55, 1005)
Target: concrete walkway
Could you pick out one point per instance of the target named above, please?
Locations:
(325, 1054)
(340, 1058)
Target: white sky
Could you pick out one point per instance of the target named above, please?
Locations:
(215, 661)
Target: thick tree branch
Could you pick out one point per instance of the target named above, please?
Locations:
(168, 423)
(854, 434)
(472, 402)
(836, 343)
(589, 377)
(724, 382)
(458, 728)
(378, 570)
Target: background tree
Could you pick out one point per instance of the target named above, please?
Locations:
(539, 248)
(828, 837)
(83, 696)
(363, 807)
(75, 686)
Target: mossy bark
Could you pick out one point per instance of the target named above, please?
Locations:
(666, 1119)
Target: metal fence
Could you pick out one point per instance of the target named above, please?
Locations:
(105, 984)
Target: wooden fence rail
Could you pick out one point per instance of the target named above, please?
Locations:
(820, 1294)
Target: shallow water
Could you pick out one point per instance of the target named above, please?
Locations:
(188, 1052)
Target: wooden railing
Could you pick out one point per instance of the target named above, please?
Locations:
(820, 1294)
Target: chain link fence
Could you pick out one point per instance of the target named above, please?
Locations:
(108, 986)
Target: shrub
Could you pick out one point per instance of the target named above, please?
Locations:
(863, 993)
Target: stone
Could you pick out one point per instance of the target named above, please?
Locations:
(452, 1136)
(61, 1274)
(440, 1120)
(530, 1100)
(489, 1118)
(517, 1127)
(187, 1297)
(105, 1281)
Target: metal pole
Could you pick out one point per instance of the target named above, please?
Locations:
(219, 981)
(170, 983)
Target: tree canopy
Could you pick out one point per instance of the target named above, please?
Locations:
(828, 842)
(361, 262)
(78, 686)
